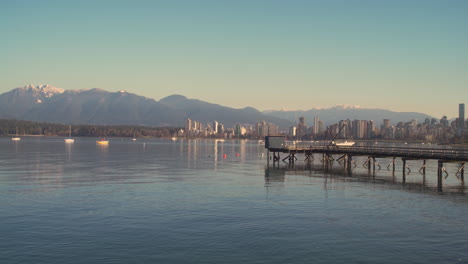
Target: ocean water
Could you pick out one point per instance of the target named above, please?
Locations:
(205, 201)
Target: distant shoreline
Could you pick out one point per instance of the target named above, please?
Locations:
(180, 138)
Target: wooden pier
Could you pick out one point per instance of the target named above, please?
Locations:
(277, 146)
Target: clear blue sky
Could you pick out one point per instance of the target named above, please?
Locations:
(400, 55)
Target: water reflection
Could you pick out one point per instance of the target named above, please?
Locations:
(420, 183)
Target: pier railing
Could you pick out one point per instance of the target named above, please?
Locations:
(406, 152)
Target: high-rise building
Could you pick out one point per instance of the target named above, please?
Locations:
(359, 128)
(386, 123)
(370, 129)
(238, 131)
(220, 128)
(316, 126)
(262, 129)
(188, 125)
(273, 129)
(215, 127)
(301, 127)
(344, 126)
(292, 131)
(321, 127)
(444, 121)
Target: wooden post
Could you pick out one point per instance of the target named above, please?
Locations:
(368, 164)
(350, 160)
(268, 158)
(462, 177)
(278, 160)
(439, 175)
(373, 165)
(424, 167)
(404, 170)
(393, 165)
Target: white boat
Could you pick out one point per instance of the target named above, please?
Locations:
(69, 139)
(344, 144)
(16, 138)
(174, 139)
(260, 142)
(134, 138)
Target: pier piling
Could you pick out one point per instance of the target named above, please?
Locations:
(404, 170)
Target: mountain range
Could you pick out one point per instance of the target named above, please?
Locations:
(341, 112)
(96, 106)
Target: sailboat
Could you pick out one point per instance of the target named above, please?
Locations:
(134, 138)
(69, 139)
(16, 138)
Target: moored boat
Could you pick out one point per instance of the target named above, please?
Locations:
(16, 138)
(69, 139)
(102, 142)
(344, 144)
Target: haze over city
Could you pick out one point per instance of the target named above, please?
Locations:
(397, 55)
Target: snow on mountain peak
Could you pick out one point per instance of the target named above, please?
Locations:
(44, 89)
(345, 106)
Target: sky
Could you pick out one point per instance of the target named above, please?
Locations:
(409, 55)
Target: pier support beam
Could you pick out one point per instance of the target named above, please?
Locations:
(368, 164)
(373, 166)
(462, 170)
(393, 165)
(424, 167)
(349, 160)
(440, 165)
(268, 158)
(404, 170)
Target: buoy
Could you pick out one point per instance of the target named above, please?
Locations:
(237, 154)
(224, 156)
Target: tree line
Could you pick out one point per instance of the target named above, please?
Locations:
(9, 127)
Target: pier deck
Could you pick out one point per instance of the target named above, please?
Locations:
(446, 155)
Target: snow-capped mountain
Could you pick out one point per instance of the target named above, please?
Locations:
(97, 106)
(15, 103)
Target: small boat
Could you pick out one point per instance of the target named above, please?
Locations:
(16, 138)
(220, 140)
(344, 144)
(102, 142)
(134, 138)
(69, 139)
(174, 139)
(260, 142)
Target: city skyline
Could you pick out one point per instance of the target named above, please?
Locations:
(406, 57)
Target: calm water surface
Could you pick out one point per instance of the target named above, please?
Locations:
(159, 201)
